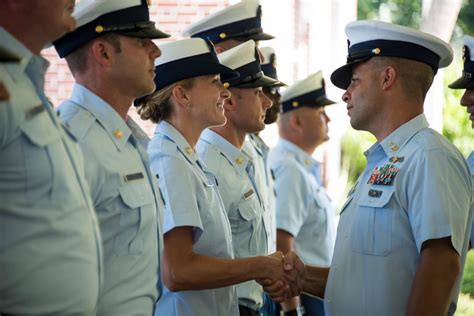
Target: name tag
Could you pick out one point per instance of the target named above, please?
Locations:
(34, 111)
(133, 176)
(375, 193)
(248, 194)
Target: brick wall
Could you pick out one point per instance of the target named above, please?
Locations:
(172, 16)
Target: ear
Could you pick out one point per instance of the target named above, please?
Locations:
(295, 122)
(230, 103)
(102, 52)
(181, 96)
(388, 77)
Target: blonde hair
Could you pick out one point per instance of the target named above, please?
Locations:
(157, 106)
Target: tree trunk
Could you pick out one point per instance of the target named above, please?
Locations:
(438, 18)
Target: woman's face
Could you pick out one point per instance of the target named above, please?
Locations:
(208, 95)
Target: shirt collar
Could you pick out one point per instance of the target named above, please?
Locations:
(112, 122)
(237, 158)
(397, 140)
(168, 130)
(27, 57)
(300, 155)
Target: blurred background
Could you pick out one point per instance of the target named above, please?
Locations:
(310, 37)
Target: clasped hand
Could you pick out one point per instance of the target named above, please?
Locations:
(287, 279)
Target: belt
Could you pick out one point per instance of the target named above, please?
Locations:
(247, 311)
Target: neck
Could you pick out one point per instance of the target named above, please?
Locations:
(233, 135)
(187, 127)
(25, 34)
(309, 149)
(386, 127)
(116, 98)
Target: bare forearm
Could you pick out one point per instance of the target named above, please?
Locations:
(315, 280)
(434, 282)
(202, 272)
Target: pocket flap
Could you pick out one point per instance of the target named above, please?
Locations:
(248, 208)
(376, 196)
(38, 130)
(136, 194)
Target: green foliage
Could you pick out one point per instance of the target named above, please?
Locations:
(466, 17)
(353, 145)
(468, 278)
(403, 12)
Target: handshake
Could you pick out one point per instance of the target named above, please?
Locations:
(284, 276)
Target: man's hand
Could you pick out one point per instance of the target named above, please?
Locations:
(294, 268)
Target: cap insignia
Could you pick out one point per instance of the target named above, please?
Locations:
(376, 51)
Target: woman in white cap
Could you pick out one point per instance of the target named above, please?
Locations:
(198, 266)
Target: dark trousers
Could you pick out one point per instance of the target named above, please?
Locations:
(247, 311)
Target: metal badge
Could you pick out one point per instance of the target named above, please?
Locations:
(133, 176)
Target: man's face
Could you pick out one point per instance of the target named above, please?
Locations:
(467, 100)
(250, 104)
(54, 17)
(134, 67)
(314, 124)
(273, 112)
(362, 97)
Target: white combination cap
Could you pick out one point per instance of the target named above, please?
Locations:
(309, 92)
(241, 21)
(97, 17)
(369, 39)
(244, 59)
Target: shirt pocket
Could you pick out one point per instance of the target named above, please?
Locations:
(249, 225)
(137, 217)
(372, 228)
(41, 141)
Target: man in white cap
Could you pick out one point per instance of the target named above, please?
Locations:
(466, 81)
(111, 56)
(221, 150)
(231, 26)
(403, 232)
(305, 216)
(50, 262)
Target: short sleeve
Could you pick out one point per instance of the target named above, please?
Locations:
(439, 197)
(291, 209)
(178, 187)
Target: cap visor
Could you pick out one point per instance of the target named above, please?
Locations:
(146, 33)
(462, 83)
(341, 77)
(7, 56)
(257, 37)
(325, 102)
(263, 81)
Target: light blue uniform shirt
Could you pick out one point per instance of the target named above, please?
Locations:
(256, 148)
(50, 253)
(235, 173)
(125, 195)
(421, 190)
(192, 199)
(303, 208)
(470, 161)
